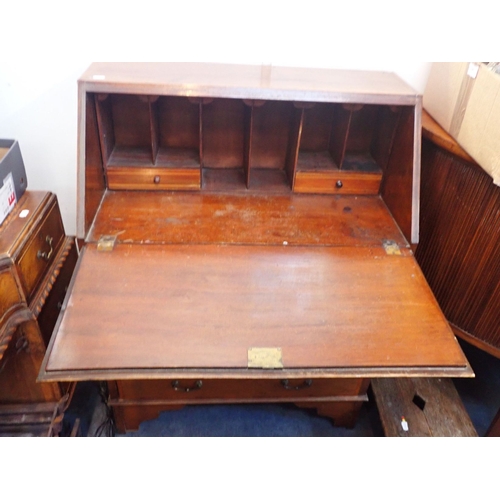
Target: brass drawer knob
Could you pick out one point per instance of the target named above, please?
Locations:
(195, 387)
(46, 255)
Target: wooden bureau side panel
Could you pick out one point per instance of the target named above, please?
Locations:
(326, 183)
(91, 176)
(399, 181)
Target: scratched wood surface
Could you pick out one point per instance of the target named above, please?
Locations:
(251, 218)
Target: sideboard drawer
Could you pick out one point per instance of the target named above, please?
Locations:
(40, 249)
(184, 391)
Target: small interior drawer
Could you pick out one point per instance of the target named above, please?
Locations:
(338, 182)
(236, 390)
(40, 249)
(139, 178)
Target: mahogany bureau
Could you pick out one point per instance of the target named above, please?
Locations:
(247, 238)
(36, 263)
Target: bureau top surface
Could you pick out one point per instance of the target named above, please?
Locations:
(250, 82)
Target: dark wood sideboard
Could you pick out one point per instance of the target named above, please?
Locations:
(37, 260)
(247, 238)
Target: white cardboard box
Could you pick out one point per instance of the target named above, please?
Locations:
(464, 98)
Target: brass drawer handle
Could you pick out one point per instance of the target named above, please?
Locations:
(46, 255)
(196, 387)
(286, 384)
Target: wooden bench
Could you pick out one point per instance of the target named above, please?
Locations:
(421, 407)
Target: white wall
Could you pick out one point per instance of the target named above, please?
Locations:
(51, 45)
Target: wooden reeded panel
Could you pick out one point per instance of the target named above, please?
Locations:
(459, 250)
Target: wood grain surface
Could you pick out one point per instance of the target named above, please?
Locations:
(245, 218)
(204, 306)
(430, 408)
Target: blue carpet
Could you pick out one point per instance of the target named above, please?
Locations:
(256, 420)
(480, 395)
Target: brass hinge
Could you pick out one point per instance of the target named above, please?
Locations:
(391, 247)
(106, 243)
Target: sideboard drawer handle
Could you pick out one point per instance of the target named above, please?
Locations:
(196, 387)
(46, 255)
(286, 384)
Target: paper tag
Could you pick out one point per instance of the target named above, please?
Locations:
(404, 425)
(7, 197)
(473, 70)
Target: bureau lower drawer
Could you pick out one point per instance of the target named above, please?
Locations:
(40, 249)
(199, 390)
